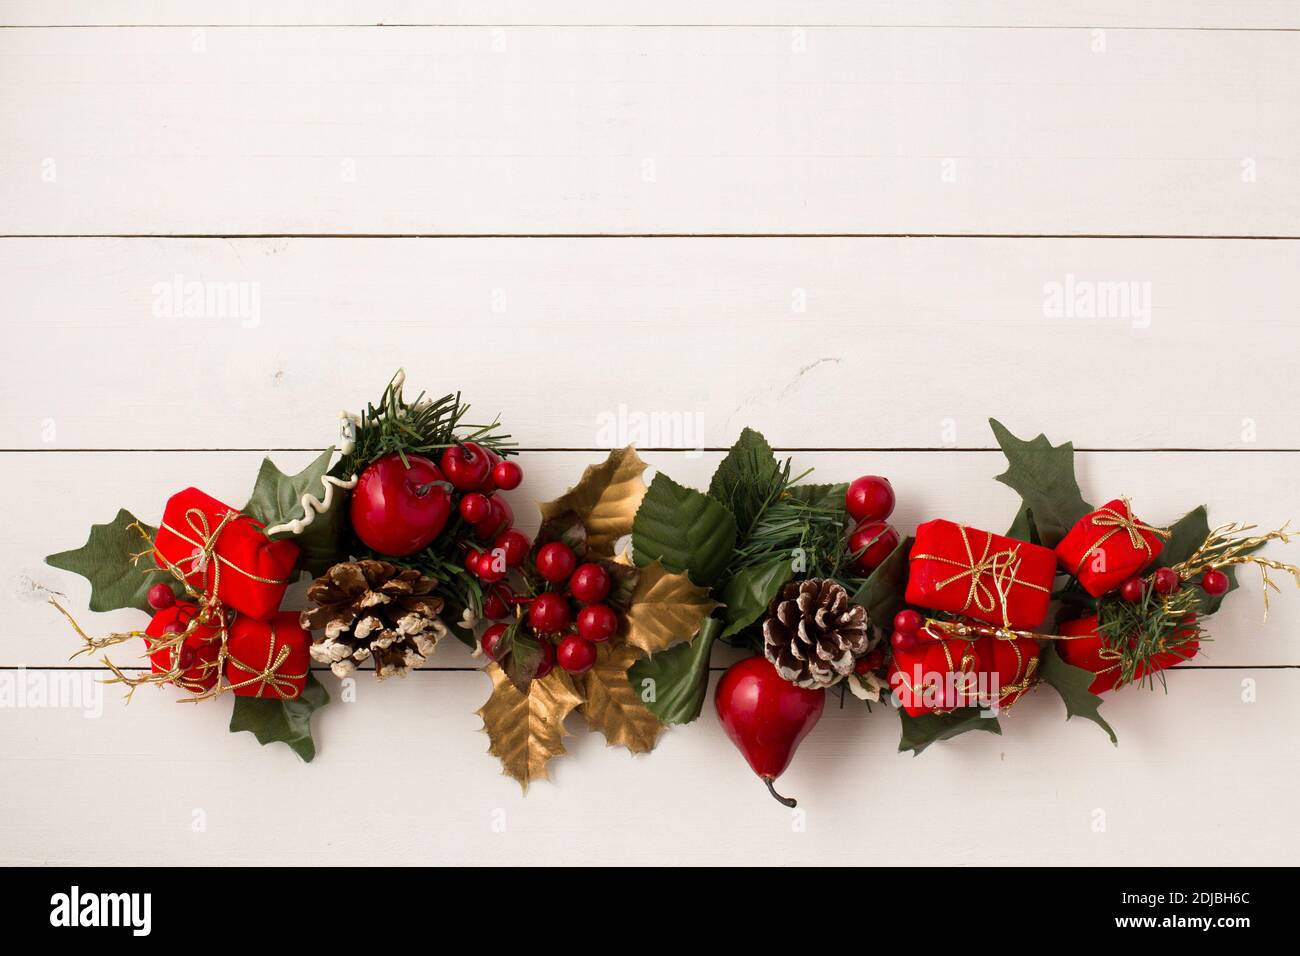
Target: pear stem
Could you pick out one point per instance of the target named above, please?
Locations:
(785, 801)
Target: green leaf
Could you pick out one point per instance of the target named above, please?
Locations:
(105, 561)
(747, 478)
(1186, 535)
(1072, 684)
(1023, 529)
(286, 721)
(684, 530)
(820, 497)
(919, 732)
(277, 498)
(882, 592)
(749, 591)
(680, 675)
(1043, 474)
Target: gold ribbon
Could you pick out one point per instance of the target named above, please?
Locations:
(1002, 566)
(207, 547)
(268, 676)
(1117, 522)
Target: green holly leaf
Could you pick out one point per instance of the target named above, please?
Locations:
(680, 675)
(749, 591)
(1186, 535)
(1072, 684)
(919, 732)
(1043, 474)
(747, 479)
(684, 530)
(277, 498)
(286, 721)
(105, 561)
(882, 592)
(1023, 529)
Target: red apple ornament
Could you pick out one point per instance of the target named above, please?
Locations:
(766, 716)
(398, 508)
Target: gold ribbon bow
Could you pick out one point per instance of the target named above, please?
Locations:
(269, 676)
(206, 547)
(1116, 522)
(1002, 567)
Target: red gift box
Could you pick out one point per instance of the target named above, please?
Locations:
(1085, 648)
(940, 673)
(1109, 546)
(1000, 581)
(198, 652)
(218, 548)
(268, 658)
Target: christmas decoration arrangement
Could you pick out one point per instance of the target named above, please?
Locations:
(615, 607)
(390, 522)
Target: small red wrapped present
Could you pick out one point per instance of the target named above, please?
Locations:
(268, 658)
(1001, 581)
(940, 673)
(1085, 648)
(1108, 546)
(217, 548)
(198, 652)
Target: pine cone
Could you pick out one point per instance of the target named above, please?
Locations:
(812, 633)
(373, 609)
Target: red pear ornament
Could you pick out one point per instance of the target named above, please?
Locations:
(766, 716)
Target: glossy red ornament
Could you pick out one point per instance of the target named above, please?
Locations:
(1214, 582)
(507, 475)
(1166, 581)
(766, 716)
(575, 655)
(515, 544)
(475, 507)
(597, 622)
(555, 561)
(879, 538)
(399, 510)
(466, 466)
(548, 613)
(491, 638)
(160, 597)
(590, 583)
(869, 498)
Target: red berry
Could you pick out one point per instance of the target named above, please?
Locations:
(555, 561)
(173, 628)
(466, 466)
(575, 655)
(498, 602)
(515, 544)
(904, 642)
(475, 507)
(1133, 590)
(908, 621)
(878, 538)
(1215, 583)
(1167, 581)
(597, 622)
(491, 566)
(489, 486)
(870, 498)
(547, 660)
(507, 475)
(871, 661)
(160, 597)
(491, 638)
(187, 656)
(548, 613)
(501, 518)
(590, 583)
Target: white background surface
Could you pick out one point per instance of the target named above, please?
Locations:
(833, 221)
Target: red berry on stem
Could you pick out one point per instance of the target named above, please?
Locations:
(498, 602)
(501, 518)
(597, 622)
(398, 508)
(475, 507)
(555, 561)
(908, 621)
(1133, 590)
(590, 583)
(489, 485)
(548, 612)
(160, 597)
(515, 544)
(870, 498)
(1215, 583)
(507, 475)
(546, 661)
(491, 638)
(904, 642)
(575, 655)
(878, 538)
(869, 662)
(466, 466)
(1167, 581)
(491, 566)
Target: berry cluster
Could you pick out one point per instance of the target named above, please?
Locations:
(1166, 581)
(567, 622)
(869, 500)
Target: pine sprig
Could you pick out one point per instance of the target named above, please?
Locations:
(1135, 633)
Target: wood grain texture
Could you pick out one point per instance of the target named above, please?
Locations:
(625, 130)
(823, 343)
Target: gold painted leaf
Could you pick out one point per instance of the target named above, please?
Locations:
(606, 499)
(666, 609)
(612, 705)
(526, 730)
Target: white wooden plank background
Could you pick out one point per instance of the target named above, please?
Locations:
(142, 140)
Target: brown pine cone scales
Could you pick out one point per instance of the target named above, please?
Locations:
(373, 609)
(812, 633)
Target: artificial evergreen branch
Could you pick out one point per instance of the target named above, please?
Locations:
(1135, 633)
